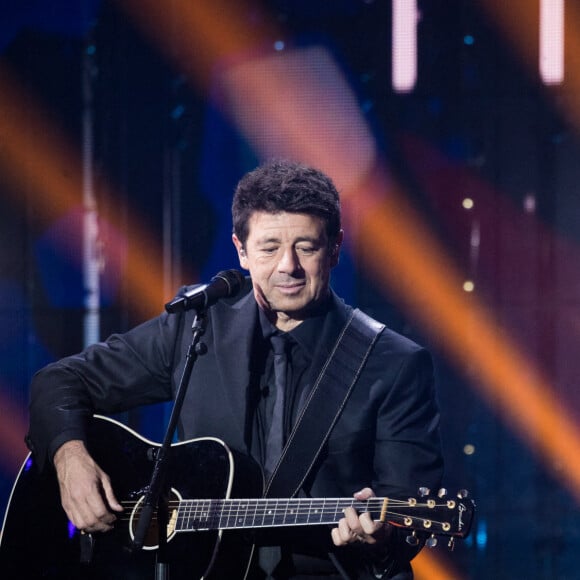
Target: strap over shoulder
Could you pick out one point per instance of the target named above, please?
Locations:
(325, 403)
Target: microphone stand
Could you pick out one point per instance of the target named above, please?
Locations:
(157, 492)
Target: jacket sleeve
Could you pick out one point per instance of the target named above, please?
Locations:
(121, 373)
(387, 438)
(407, 452)
(408, 447)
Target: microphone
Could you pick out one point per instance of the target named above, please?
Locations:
(223, 285)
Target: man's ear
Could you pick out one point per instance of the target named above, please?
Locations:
(335, 249)
(241, 252)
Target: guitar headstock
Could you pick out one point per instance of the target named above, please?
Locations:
(435, 515)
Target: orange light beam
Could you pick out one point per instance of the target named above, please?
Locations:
(429, 565)
(33, 154)
(407, 259)
(204, 37)
(13, 428)
(196, 35)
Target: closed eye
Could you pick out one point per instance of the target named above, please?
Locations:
(307, 250)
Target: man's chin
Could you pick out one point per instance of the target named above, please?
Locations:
(297, 309)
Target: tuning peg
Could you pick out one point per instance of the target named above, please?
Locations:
(423, 491)
(431, 541)
(462, 493)
(412, 539)
(442, 492)
(451, 544)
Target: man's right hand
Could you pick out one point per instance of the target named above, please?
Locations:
(86, 493)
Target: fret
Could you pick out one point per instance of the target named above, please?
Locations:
(197, 514)
(262, 509)
(180, 517)
(293, 512)
(337, 510)
(234, 514)
(205, 513)
(224, 515)
(189, 512)
(270, 512)
(254, 512)
(317, 512)
(215, 509)
(242, 514)
(281, 511)
(183, 515)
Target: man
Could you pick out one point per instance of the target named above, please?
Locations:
(287, 233)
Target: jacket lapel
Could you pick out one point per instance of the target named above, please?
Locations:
(333, 324)
(233, 327)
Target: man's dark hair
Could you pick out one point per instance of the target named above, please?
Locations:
(286, 186)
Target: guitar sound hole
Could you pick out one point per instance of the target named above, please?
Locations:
(151, 541)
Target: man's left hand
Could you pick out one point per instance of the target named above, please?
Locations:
(355, 527)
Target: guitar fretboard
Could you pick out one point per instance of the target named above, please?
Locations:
(211, 514)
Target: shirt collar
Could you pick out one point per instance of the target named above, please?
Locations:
(306, 334)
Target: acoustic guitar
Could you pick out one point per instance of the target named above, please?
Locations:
(213, 496)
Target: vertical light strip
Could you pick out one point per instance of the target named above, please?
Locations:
(91, 262)
(172, 258)
(551, 54)
(404, 45)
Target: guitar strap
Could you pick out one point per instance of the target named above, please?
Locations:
(325, 402)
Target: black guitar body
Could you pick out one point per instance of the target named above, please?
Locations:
(39, 542)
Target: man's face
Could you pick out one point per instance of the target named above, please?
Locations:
(289, 261)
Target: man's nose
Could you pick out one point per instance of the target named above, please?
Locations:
(289, 262)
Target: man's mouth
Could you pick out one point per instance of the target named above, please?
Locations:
(289, 288)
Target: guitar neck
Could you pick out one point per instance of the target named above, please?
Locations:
(434, 515)
(213, 514)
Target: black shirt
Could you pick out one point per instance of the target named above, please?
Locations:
(303, 340)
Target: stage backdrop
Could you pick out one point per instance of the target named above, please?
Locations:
(451, 129)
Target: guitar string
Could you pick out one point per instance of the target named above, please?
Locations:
(284, 505)
(299, 502)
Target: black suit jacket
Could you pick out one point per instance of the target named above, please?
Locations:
(386, 437)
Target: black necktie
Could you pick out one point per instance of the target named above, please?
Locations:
(269, 556)
(275, 441)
